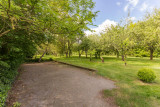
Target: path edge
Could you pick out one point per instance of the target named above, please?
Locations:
(93, 70)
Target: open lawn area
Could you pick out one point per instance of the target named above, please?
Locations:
(130, 91)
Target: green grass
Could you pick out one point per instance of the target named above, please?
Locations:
(131, 92)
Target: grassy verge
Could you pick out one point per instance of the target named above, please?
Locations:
(131, 92)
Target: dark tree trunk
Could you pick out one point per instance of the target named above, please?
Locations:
(79, 54)
(122, 54)
(151, 54)
(66, 54)
(69, 49)
(117, 54)
(42, 55)
(9, 3)
(122, 57)
(96, 55)
(99, 54)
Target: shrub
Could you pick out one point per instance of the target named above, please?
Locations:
(146, 75)
(16, 104)
(50, 59)
(7, 76)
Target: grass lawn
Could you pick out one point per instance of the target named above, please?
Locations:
(131, 92)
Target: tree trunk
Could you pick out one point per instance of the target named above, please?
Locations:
(66, 54)
(117, 54)
(102, 59)
(69, 53)
(122, 54)
(9, 3)
(122, 57)
(96, 55)
(79, 54)
(5, 32)
(86, 54)
(151, 54)
(90, 57)
(99, 54)
(69, 50)
(42, 55)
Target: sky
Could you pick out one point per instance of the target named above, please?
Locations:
(112, 11)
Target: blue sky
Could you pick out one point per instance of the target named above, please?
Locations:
(112, 11)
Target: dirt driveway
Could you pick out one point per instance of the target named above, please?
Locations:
(52, 84)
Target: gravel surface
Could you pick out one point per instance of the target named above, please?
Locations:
(52, 84)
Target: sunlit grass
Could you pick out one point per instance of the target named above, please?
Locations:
(131, 92)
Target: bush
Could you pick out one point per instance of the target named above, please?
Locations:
(7, 76)
(50, 59)
(16, 104)
(146, 75)
(32, 60)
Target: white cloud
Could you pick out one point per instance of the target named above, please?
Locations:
(126, 7)
(118, 3)
(131, 19)
(143, 7)
(131, 4)
(106, 24)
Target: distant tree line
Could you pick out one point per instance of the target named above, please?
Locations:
(127, 38)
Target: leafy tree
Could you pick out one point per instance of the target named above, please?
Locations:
(85, 45)
(95, 45)
(147, 32)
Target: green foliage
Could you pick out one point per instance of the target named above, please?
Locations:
(146, 75)
(26, 25)
(140, 39)
(3, 66)
(140, 53)
(16, 104)
(7, 76)
(50, 59)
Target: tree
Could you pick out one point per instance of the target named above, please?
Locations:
(147, 32)
(85, 45)
(95, 45)
(40, 18)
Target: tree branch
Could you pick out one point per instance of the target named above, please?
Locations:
(4, 33)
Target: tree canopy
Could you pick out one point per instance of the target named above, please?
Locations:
(26, 26)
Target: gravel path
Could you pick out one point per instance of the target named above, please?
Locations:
(52, 84)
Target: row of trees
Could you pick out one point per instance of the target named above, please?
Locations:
(143, 35)
(26, 24)
(126, 38)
